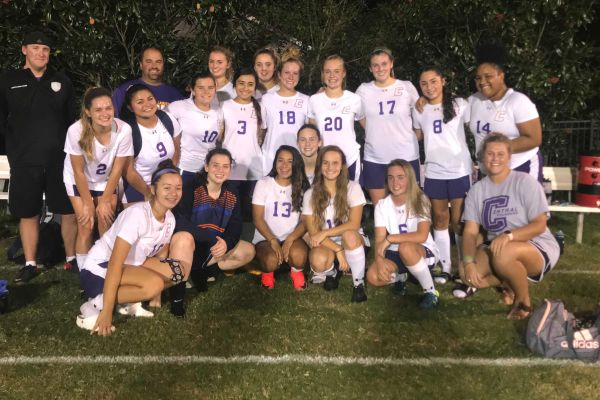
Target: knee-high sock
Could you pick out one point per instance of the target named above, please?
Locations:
(421, 272)
(356, 261)
(442, 241)
(80, 260)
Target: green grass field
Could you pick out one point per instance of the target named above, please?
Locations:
(315, 344)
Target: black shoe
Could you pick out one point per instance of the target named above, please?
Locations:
(26, 274)
(358, 294)
(399, 288)
(332, 281)
(177, 308)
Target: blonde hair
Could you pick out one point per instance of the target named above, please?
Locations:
(320, 196)
(291, 54)
(417, 203)
(86, 142)
(228, 56)
(332, 58)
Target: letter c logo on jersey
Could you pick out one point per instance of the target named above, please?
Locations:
(493, 220)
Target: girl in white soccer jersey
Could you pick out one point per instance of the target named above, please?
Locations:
(285, 110)
(156, 137)
(447, 160)
(335, 110)
(201, 124)
(97, 147)
(403, 243)
(266, 63)
(220, 65)
(512, 208)
(331, 212)
(387, 104)
(276, 207)
(497, 108)
(308, 142)
(128, 264)
(244, 133)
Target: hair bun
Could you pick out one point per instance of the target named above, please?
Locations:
(491, 52)
(290, 53)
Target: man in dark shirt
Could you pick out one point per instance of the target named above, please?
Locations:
(152, 66)
(36, 108)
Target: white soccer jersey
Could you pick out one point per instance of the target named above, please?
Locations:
(502, 116)
(277, 200)
(157, 145)
(388, 130)
(396, 220)
(446, 152)
(356, 197)
(98, 169)
(138, 227)
(227, 92)
(199, 131)
(283, 116)
(335, 119)
(241, 127)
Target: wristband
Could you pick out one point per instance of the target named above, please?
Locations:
(467, 259)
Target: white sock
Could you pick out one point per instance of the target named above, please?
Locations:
(31, 263)
(356, 261)
(70, 258)
(296, 269)
(80, 260)
(329, 272)
(442, 241)
(423, 275)
(458, 241)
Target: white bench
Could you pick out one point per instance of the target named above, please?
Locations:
(4, 178)
(565, 179)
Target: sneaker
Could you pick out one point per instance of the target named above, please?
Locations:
(177, 308)
(442, 278)
(462, 291)
(134, 310)
(399, 288)
(26, 274)
(358, 294)
(318, 278)
(430, 300)
(298, 280)
(267, 280)
(71, 266)
(88, 323)
(332, 281)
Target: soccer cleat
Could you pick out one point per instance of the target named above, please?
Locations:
(358, 294)
(442, 278)
(430, 300)
(71, 266)
(25, 274)
(298, 280)
(399, 288)
(177, 308)
(134, 310)
(267, 280)
(332, 281)
(462, 291)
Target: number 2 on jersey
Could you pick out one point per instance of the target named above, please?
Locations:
(402, 228)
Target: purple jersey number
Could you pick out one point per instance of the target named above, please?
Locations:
(162, 150)
(333, 124)
(242, 130)
(290, 117)
(286, 209)
(209, 137)
(391, 103)
(101, 169)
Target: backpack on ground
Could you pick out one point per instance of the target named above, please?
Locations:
(50, 248)
(554, 332)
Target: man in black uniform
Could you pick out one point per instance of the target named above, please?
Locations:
(36, 108)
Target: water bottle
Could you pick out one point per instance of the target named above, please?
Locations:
(560, 238)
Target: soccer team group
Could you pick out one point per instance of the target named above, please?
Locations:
(187, 168)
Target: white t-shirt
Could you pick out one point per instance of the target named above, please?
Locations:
(138, 227)
(157, 145)
(227, 92)
(356, 197)
(335, 119)
(283, 117)
(278, 215)
(258, 95)
(98, 169)
(396, 220)
(388, 130)
(241, 139)
(446, 152)
(502, 116)
(199, 131)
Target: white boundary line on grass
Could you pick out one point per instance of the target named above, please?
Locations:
(574, 272)
(297, 359)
